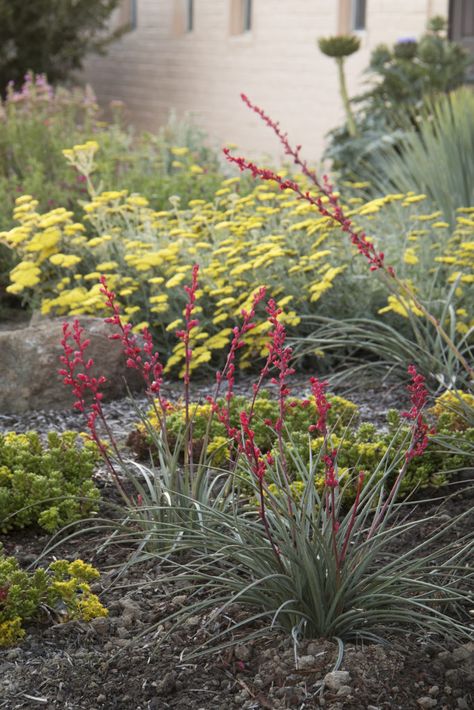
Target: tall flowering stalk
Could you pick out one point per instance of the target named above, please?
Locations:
(279, 356)
(417, 446)
(329, 458)
(141, 357)
(258, 465)
(86, 389)
(419, 431)
(327, 203)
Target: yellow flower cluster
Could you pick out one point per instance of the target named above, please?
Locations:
(82, 156)
(241, 242)
(11, 632)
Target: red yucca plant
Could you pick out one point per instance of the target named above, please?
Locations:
(308, 563)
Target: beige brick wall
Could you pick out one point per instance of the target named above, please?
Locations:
(154, 70)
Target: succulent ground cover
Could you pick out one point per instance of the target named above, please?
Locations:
(45, 484)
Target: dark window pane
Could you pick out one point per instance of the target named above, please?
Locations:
(247, 15)
(190, 16)
(359, 14)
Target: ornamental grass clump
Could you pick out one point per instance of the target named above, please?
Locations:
(309, 562)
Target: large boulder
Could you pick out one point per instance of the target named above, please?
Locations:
(29, 363)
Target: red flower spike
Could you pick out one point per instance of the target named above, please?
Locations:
(318, 390)
(228, 372)
(143, 358)
(333, 210)
(420, 428)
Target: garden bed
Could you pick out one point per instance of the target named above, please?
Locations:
(75, 665)
(97, 665)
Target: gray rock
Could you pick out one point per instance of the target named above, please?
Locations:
(344, 691)
(336, 679)
(243, 652)
(453, 675)
(192, 621)
(463, 653)
(427, 702)
(130, 607)
(305, 662)
(29, 361)
(101, 625)
(167, 685)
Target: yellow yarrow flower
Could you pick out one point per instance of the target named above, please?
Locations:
(401, 306)
(65, 260)
(410, 257)
(179, 150)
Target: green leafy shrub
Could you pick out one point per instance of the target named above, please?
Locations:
(46, 484)
(454, 410)
(241, 241)
(39, 121)
(50, 36)
(404, 77)
(63, 588)
(300, 415)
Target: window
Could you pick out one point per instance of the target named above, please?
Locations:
(183, 18)
(247, 16)
(189, 15)
(133, 14)
(358, 14)
(240, 16)
(127, 14)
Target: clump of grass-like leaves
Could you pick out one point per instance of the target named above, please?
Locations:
(304, 560)
(444, 136)
(315, 567)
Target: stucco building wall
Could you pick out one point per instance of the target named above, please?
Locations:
(158, 66)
